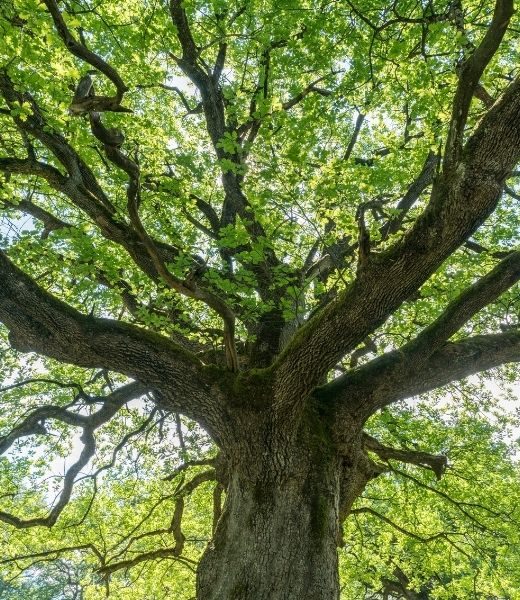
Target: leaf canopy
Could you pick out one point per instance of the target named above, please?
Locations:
(211, 229)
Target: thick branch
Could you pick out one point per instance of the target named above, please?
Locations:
(459, 360)
(485, 291)
(82, 189)
(459, 204)
(395, 376)
(38, 322)
(235, 201)
(50, 222)
(415, 357)
(33, 167)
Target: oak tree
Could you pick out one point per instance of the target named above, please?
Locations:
(275, 219)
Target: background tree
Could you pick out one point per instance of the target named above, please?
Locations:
(276, 220)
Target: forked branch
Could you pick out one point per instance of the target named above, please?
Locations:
(81, 51)
(470, 73)
(436, 462)
(456, 208)
(34, 424)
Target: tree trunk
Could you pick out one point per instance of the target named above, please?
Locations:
(278, 533)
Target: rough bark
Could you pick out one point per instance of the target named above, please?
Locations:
(274, 542)
(289, 487)
(39, 322)
(278, 533)
(460, 202)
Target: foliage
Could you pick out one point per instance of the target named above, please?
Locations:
(231, 239)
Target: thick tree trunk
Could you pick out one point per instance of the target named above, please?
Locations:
(277, 536)
(273, 544)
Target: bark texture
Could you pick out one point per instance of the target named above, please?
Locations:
(272, 544)
(277, 536)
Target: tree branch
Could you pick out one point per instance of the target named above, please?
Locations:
(121, 444)
(81, 51)
(82, 188)
(187, 465)
(460, 505)
(38, 322)
(423, 180)
(355, 134)
(469, 76)
(55, 551)
(189, 289)
(169, 553)
(50, 222)
(30, 166)
(485, 291)
(235, 201)
(34, 424)
(311, 88)
(394, 376)
(436, 462)
(174, 528)
(458, 205)
(415, 536)
(110, 141)
(415, 357)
